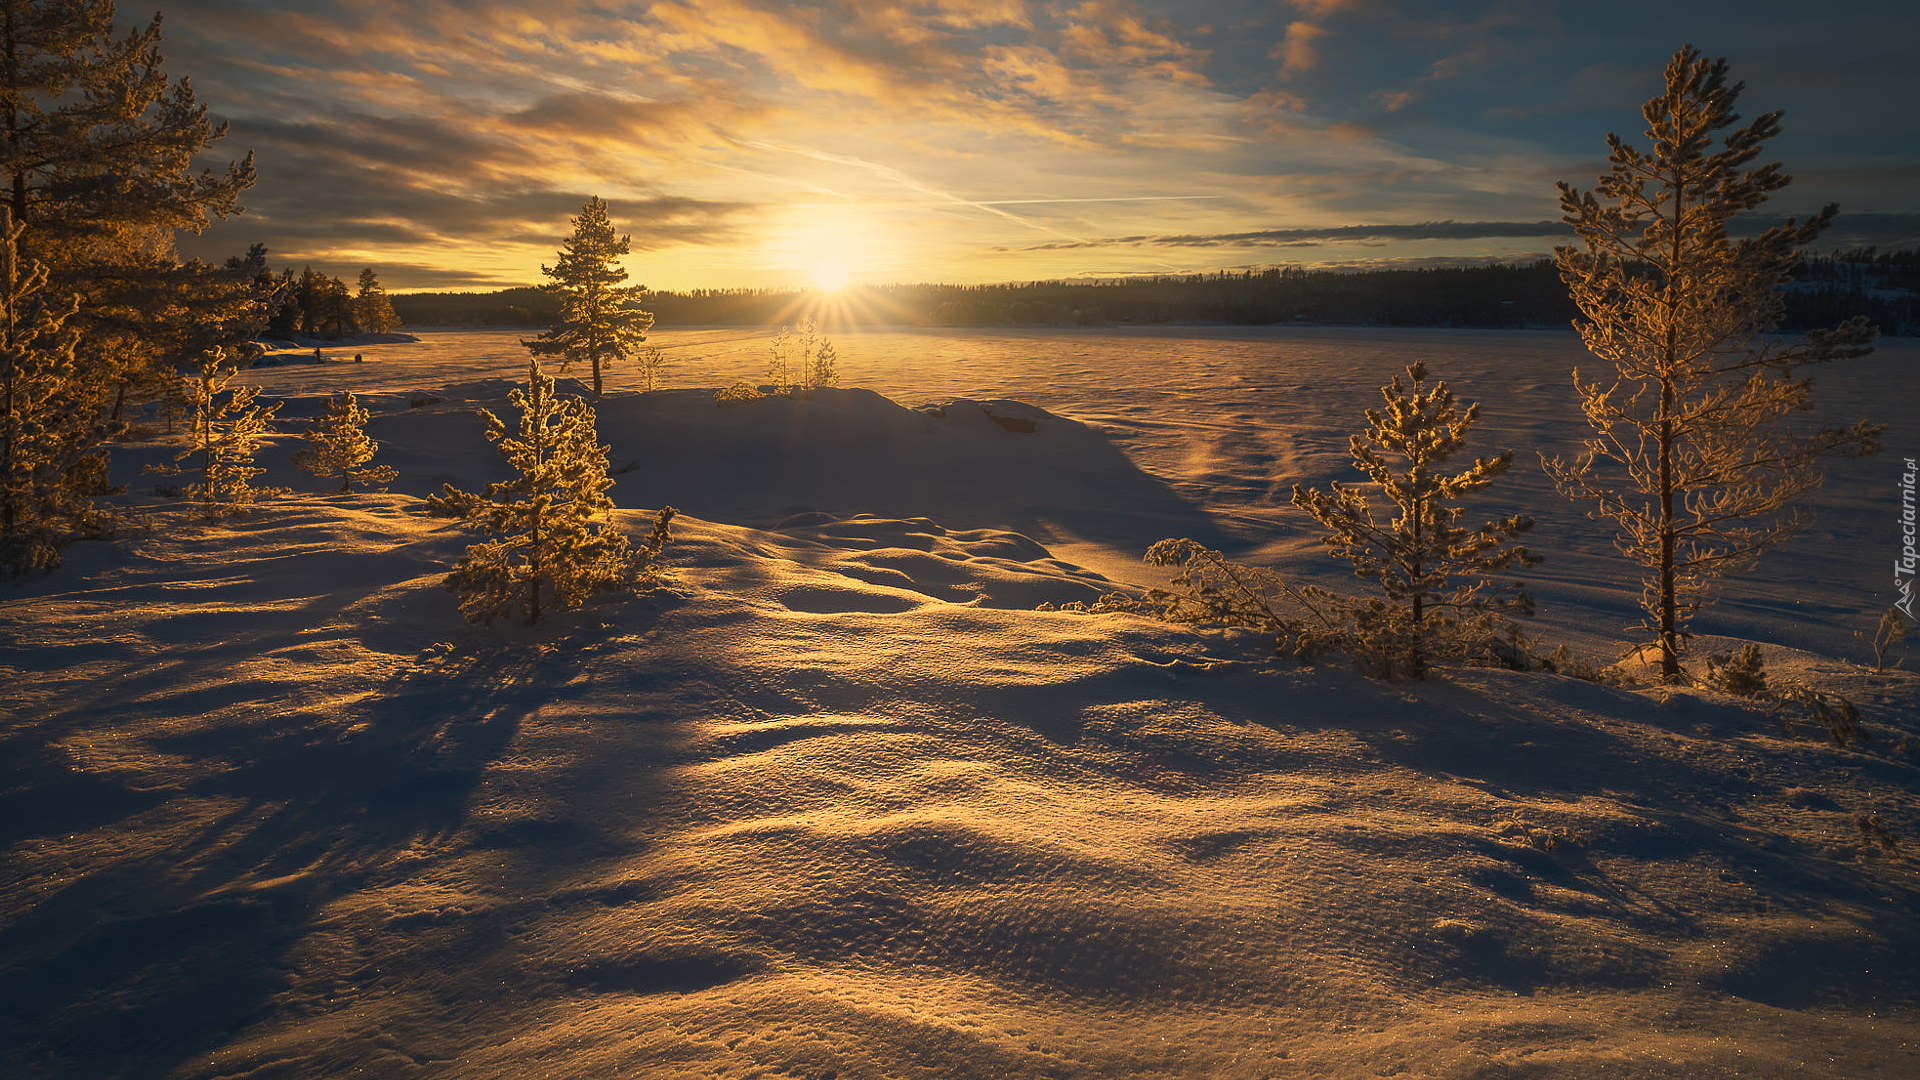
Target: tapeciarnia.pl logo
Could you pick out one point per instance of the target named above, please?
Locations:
(1904, 568)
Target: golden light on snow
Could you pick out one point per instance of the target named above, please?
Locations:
(850, 805)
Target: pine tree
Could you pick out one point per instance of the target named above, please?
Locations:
(288, 314)
(371, 308)
(167, 316)
(96, 145)
(337, 311)
(339, 446)
(779, 369)
(549, 521)
(648, 365)
(1694, 456)
(310, 297)
(600, 319)
(817, 360)
(225, 428)
(97, 152)
(48, 434)
(1432, 572)
(798, 375)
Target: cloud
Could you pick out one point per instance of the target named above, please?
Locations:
(1316, 9)
(1295, 51)
(410, 131)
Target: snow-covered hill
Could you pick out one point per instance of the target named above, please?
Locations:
(844, 805)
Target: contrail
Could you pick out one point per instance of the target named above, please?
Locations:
(1017, 202)
(910, 183)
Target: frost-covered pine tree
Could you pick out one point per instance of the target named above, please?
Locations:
(49, 434)
(779, 368)
(1435, 594)
(648, 365)
(1695, 453)
(600, 319)
(338, 445)
(224, 428)
(550, 534)
(814, 366)
(817, 359)
(371, 308)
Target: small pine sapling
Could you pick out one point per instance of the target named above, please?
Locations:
(738, 394)
(548, 523)
(817, 360)
(1875, 834)
(224, 427)
(1890, 631)
(339, 446)
(1742, 673)
(779, 371)
(648, 365)
(797, 374)
(1436, 598)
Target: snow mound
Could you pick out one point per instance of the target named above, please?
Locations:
(853, 451)
(841, 806)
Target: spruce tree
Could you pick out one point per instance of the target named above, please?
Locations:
(48, 432)
(1695, 455)
(1435, 595)
(338, 445)
(548, 523)
(371, 308)
(600, 319)
(224, 428)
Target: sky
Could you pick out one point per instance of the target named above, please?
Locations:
(759, 143)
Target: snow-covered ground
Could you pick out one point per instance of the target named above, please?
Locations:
(845, 806)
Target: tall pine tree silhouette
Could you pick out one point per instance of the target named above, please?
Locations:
(600, 319)
(1694, 453)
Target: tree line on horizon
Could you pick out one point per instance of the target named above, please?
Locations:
(1825, 289)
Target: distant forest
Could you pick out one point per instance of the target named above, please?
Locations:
(1825, 290)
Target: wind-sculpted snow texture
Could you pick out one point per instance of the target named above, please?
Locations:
(845, 806)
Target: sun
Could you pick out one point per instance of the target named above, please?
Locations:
(830, 274)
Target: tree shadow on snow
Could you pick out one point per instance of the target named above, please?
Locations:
(1695, 793)
(133, 968)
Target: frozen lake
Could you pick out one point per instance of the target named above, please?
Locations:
(1230, 418)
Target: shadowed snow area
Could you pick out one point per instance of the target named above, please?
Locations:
(844, 806)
